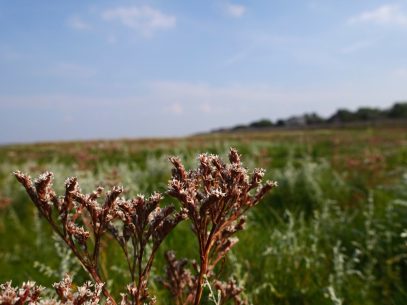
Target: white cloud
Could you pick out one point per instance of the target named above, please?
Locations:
(400, 72)
(78, 24)
(384, 15)
(144, 19)
(235, 10)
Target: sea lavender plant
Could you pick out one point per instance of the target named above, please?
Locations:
(215, 197)
(81, 221)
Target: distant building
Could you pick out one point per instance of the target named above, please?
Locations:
(296, 121)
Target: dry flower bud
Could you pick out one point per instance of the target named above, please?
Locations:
(24, 179)
(178, 170)
(78, 232)
(96, 194)
(258, 175)
(71, 185)
(43, 186)
(112, 196)
(234, 156)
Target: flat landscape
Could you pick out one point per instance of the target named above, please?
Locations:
(333, 232)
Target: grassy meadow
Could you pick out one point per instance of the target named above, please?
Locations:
(333, 232)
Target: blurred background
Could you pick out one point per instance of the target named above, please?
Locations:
(313, 91)
(169, 68)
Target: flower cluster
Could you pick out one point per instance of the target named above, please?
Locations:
(230, 291)
(81, 220)
(88, 293)
(26, 294)
(179, 280)
(30, 293)
(214, 197)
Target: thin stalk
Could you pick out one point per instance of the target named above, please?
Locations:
(202, 273)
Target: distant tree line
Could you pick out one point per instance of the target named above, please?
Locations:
(342, 116)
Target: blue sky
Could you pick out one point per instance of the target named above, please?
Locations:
(108, 69)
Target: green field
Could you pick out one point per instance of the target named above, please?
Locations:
(331, 233)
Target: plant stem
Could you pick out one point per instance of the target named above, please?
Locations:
(202, 273)
(96, 277)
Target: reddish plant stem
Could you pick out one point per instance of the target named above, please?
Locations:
(92, 270)
(140, 276)
(202, 273)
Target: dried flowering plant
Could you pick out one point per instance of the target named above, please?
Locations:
(179, 280)
(229, 291)
(30, 293)
(182, 283)
(81, 221)
(215, 197)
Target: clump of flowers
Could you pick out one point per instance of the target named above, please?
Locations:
(214, 197)
(29, 293)
(81, 220)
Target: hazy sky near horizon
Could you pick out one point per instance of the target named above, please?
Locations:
(108, 69)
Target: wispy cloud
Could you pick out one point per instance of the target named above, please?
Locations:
(179, 108)
(78, 24)
(400, 72)
(240, 103)
(384, 15)
(235, 10)
(143, 19)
